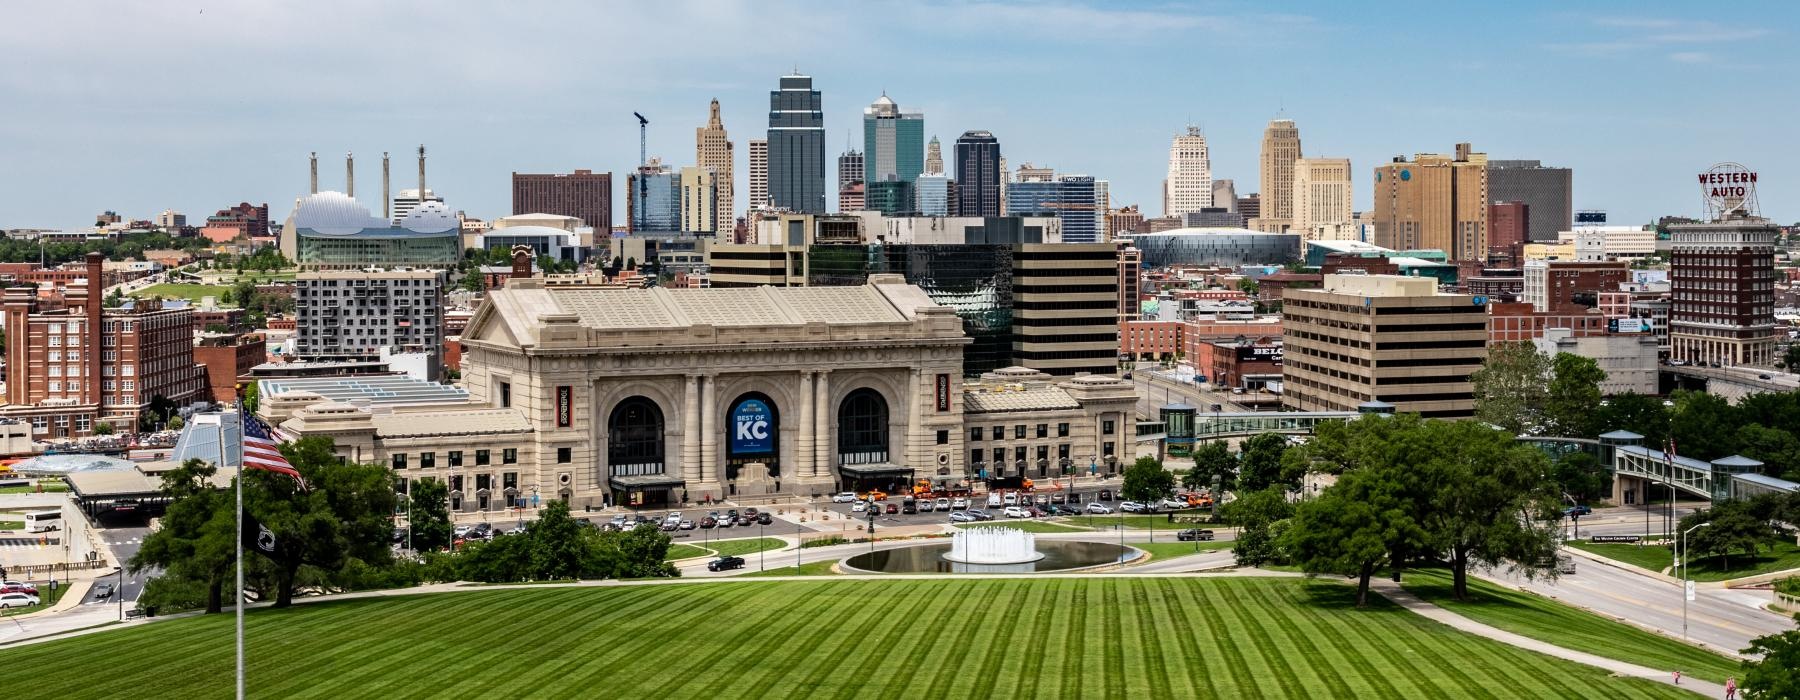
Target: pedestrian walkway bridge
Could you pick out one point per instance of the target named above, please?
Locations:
(1226, 425)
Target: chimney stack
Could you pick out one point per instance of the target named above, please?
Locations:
(96, 266)
(315, 172)
(350, 174)
(387, 201)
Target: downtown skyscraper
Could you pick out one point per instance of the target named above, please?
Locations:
(1188, 187)
(894, 144)
(978, 174)
(713, 151)
(797, 146)
(1280, 148)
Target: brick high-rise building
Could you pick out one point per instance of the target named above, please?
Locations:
(583, 194)
(1434, 201)
(227, 356)
(1507, 222)
(72, 362)
(1722, 279)
(713, 150)
(1565, 286)
(1385, 338)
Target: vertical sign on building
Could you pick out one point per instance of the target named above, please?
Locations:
(752, 428)
(565, 406)
(943, 393)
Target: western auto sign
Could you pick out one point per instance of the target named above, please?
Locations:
(565, 406)
(1728, 187)
(752, 428)
(943, 393)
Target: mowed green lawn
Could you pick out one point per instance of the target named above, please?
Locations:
(1779, 555)
(1092, 637)
(684, 550)
(1137, 522)
(1026, 525)
(185, 291)
(1165, 550)
(1544, 619)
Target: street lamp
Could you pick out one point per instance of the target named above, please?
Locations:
(119, 592)
(1685, 583)
(760, 548)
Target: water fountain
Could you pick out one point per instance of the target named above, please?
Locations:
(993, 545)
(992, 550)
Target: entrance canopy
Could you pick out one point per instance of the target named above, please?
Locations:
(643, 482)
(873, 471)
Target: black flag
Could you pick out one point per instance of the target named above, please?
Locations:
(260, 539)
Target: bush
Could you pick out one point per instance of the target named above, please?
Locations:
(823, 542)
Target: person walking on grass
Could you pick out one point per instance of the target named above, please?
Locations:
(1731, 688)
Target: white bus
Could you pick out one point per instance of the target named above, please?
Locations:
(43, 521)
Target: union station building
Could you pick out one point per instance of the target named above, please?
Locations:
(656, 396)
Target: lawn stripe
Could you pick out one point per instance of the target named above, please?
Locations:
(1232, 652)
(1271, 662)
(989, 647)
(1191, 627)
(1112, 674)
(1407, 679)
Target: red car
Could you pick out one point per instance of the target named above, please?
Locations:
(18, 587)
(893, 509)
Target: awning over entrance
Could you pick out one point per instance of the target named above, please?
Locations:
(641, 482)
(868, 471)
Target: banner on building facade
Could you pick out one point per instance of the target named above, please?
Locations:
(565, 406)
(752, 428)
(943, 393)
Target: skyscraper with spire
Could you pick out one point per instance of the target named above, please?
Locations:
(1280, 148)
(713, 150)
(797, 146)
(1189, 186)
(893, 150)
(934, 157)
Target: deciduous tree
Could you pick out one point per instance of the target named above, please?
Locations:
(1260, 464)
(1146, 480)
(429, 515)
(1212, 459)
(1511, 386)
(1573, 396)
(1776, 671)
(195, 544)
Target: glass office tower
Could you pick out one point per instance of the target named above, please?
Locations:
(797, 146)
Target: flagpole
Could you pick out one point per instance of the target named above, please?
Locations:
(240, 545)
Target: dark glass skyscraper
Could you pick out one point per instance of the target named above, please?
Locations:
(978, 174)
(797, 146)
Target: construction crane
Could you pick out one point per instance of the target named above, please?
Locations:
(643, 139)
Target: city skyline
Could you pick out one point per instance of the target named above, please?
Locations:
(95, 130)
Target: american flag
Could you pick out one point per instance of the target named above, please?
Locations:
(260, 450)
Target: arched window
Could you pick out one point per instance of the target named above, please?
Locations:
(634, 438)
(863, 428)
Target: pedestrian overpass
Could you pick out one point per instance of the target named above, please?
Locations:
(1636, 467)
(1229, 425)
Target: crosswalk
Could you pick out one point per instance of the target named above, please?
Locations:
(27, 542)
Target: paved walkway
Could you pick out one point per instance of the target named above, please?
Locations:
(1393, 592)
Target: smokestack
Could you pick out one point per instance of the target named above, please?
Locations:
(387, 202)
(350, 174)
(421, 201)
(315, 172)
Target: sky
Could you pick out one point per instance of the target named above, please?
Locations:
(194, 106)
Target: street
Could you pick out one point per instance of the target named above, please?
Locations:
(1157, 388)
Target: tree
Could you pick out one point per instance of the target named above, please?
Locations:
(1511, 386)
(1147, 481)
(175, 423)
(1573, 396)
(558, 547)
(103, 428)
(115, 299)
(196, 543)
(1776, 672)
(1774, 448)
(1790, 358)
(1257, 515)
(1702, 425)
(343, 515)
(1731, 527)
(1581, 477)
(251, 397)
(1644, 415)
(1351, 528)
(1260, 463)
(1212, 460)
(473, 281)
(428, 515)
(1478, 499)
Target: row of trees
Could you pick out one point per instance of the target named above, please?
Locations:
(130, 246)
(336, 533)
(1740, 526)
(1529, 393)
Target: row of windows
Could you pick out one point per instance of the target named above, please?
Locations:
(1043, 430)
(1066, 289)
(1111, 305)
(1433, 344)
(454, 458)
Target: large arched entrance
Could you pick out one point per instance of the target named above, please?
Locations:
(753, 425)
(862, 444)
(635, 454)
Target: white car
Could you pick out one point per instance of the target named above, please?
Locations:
(17, 600)
(1011, 498)
(845, 497)
(959, 504)
(463, 530)
(859, 506)
(993, 499)
(1098, 509)
(1172, 504)
(1016, 512)
(1131, 507)
(943, 504)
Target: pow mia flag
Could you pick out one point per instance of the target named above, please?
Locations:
(260, 539)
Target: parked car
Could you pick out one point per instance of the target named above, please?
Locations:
(943, 504)
(959, 503)
(619, 522)
(1105, 494)
(993, 499)
(893, 509)
(1172, 504)
(859, 506)
(963, 516)
(462, 531)
(845, 497)
(750, 513)
(17, 600)
(765, 518)
(1099, 509)
(708, 523)
(1764, 376)
(1016, 512)
(399, 535)
(724, 563)
(667, 526)
(746, 521)
(1194, 535)
(1059, 497)
(686, 524)
(103, 590)
(1074, 497)
(1064, 510)
(732, 515)
(926, 505)
(1577, 511)
(1132, 507)
(18, 587)
(482, 530)
(1036, 512)
(1042, 499)
(981, 514)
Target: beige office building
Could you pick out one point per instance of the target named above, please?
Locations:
(1189, 185)
(1386, 338)
(1434, 201)
(700, 193)
(759, 174)
(1280, 148)
(1321, 197)
(713, 150)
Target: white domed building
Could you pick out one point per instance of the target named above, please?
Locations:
(332, 231)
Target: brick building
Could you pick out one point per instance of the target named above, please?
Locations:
(1508, 231)
(1248, 364)
(241, 221)
(1568, 286)
(583, 194)
(1151, 340)
(1519, 322)
(226, 357)
(72, 362)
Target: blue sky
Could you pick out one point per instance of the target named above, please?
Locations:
(139, 107)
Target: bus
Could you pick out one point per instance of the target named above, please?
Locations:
(43, 521)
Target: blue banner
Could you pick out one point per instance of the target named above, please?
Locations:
(752, 428)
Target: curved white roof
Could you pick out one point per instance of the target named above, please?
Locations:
(430, 217)
(334, 214)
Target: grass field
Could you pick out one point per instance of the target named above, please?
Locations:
(1781, 556)
(1165, 550)
(46, 598)
(49, 487)
(685, 551)
(1135, 522)
(1026, 525)
(811, 568)
(1541, 618)
(1110, 637)
(12, 524)
(185, 291)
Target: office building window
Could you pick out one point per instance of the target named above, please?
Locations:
(456, 458)
(427, 460)
(565, 455)
(400, 461)
(481, 458)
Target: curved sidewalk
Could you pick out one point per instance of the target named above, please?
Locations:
(1393, 592)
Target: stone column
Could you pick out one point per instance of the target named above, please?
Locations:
(709, 429)
(690, 431)
(822, 425)
(803, 447)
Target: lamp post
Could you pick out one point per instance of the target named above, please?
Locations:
(759, 545)
(1685, 567)
(120, 593)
